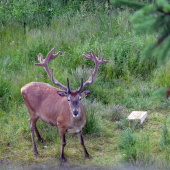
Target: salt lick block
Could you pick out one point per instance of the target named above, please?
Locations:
(138, 115)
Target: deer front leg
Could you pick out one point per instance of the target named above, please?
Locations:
(63, 142)
(79, 135)
(32, 127)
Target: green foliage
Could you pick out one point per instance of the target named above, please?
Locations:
(132, 4)
(136, 150)
(12, 129)
(122, 124)
(127, 143)
(149, 18)
(48, 133)
(5, 93)
(155, 18)
(92, 122)
(163, 4)
(165, 141)
(75, 35)
(114, 113)
(159, 94)
(26, 12)
(144, 20)
(162, 75)
(37, 12)
(165, 138)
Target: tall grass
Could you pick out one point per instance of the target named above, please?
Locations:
(136, 150)
(73, 36)
(92, 118)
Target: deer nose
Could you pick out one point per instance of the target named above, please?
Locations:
(75, 113)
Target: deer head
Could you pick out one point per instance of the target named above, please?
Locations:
(74, 97)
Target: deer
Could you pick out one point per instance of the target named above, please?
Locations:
(61, 108)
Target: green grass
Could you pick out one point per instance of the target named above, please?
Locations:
(124, 84)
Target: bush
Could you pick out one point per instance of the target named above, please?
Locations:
(114, 113)
(122, 124)
(92, 120)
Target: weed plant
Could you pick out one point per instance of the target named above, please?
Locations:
(114, 113)
(122, 124)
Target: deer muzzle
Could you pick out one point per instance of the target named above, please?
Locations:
(75, 113)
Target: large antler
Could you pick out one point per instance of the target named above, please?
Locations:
(97, 61)
(45, 62)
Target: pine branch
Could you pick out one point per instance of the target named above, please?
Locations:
(161, 11)
(136, 5)
(149, 18)
(162, 39)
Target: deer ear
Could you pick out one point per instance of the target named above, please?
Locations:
(62, 93)
(86, 92)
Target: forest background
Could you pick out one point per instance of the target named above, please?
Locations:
(136, 78)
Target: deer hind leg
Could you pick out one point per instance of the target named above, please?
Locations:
(63, 141)
(38, 135)
(33, 127)
(79, 135)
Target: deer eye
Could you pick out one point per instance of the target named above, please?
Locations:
(69, 98)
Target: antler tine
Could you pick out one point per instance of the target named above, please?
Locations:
(97, 61)
(100, 57)
(87, 56)
(81, 87)
(45, 62)
(56, 82)
(40, 57)
(68, 86)
(48, 58)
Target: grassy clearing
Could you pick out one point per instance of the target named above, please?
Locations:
(123, 85)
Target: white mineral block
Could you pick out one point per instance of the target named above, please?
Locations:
(138, 115)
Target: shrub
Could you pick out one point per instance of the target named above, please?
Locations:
(114, 113)
(92, 121)
(122, 124)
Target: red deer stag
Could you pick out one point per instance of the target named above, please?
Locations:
(62, 108)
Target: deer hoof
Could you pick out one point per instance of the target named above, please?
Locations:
(36, 154)
(41, 140)
(62, 160)
(87, 156)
